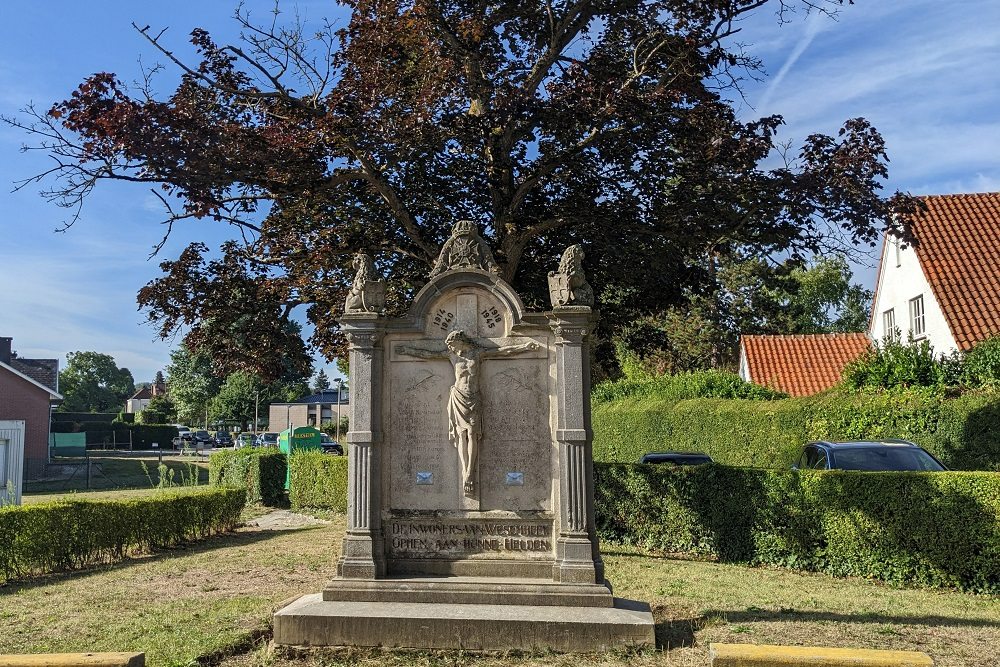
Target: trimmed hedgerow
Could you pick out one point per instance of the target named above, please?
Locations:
(936, 529)
(318, 481)
(63, 535)
(261, 471)
(961, 431)
(696, 384)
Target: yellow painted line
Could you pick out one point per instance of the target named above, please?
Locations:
(754, 655)
(74, 660)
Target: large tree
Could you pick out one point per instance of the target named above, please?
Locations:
(751, 296)
(93, 382)
(548, 122)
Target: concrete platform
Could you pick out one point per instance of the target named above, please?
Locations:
(311, 621)
(469, 590)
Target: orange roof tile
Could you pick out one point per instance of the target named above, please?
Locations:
(801, 365)
(958, 245)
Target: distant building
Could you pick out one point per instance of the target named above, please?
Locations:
(799, 365)
(309, 411)
(945, 288)
(28, 391)
(140, 400)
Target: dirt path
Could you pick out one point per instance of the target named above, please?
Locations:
(285, 520)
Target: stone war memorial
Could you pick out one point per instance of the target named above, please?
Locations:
(470, 493)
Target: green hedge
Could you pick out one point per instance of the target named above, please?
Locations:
(261, 471)
(71, 534)
(964, 432)
(318, 481)
(143, 435)
(937, 529)
(105, 417)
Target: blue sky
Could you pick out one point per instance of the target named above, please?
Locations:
(925, 72)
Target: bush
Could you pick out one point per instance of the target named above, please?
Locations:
(981, 365)
(698, 384)
(892, 363)
(937, 529)
(150, 416)
(125, 418)
(318, 481)
(960, 431)
(262, 472)
(72, 534)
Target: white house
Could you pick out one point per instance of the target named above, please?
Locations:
(945, 287)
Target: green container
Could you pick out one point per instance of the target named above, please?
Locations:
(298, 439)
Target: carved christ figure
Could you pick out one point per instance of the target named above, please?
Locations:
(465, 425)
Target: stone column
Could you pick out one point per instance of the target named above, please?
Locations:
(578, 557)
(363, 553)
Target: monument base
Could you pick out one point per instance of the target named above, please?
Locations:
(312, 621)
(469, 590)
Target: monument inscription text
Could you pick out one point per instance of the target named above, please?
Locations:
(450, 538)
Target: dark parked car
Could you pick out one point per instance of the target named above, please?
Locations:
(331, 446)
(203, 437)
(676, 458)
(867, 455)
(267, 440)
(245, 440)
(223, 439)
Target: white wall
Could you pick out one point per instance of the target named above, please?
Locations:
(136, 405)
(11, 460)
(896, 286)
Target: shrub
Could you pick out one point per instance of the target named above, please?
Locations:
(896, 364)
(150, 416)
(937, 529)
(318, 481)
(698, 384)
(75, 533)
(960, 431)
(981, 364)
(262, 472)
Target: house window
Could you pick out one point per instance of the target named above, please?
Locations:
(917, 324)
(889, 325)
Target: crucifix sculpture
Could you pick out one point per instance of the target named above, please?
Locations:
(465, 424)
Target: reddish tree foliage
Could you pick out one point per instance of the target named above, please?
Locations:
(550, 123)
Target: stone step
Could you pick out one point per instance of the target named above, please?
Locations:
(311, 621)
(469, 590)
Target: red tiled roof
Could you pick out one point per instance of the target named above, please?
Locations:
(801, 365)
(958, 245)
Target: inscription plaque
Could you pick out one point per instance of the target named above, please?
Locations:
(464, 538)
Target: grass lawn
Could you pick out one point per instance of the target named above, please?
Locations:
(206, 599)
(118, 470)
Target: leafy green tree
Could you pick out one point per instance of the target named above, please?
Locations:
(93, 382)
(165, 406)
(240, 397)
(549, 123)
(322, 382)
(751, 296)
(191, 384)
